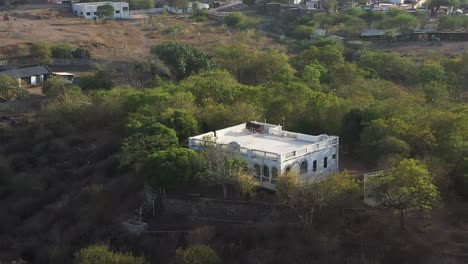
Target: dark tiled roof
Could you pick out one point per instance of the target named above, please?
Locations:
(28, 72)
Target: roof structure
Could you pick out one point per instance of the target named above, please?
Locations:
(263, 141)
(28, 72)
(98, 3)
(372, 33)
(265, 137)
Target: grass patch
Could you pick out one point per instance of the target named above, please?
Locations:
(175, 29)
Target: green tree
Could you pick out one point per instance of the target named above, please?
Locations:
(55, 87)
(245, 183)
(431, 71)
(302, 32)
(436, 92)
(9, 87)
(81, 53)
(352, 27)
(197, 254)
(171, 167)
(183, 122)
(101, 79)
(239, 20)
(390, 66)
(141, 4)
(251, 66)
(217, 116)
(100, 254)
(311, 74)
(42, 52)
(235, 19)
(237, 59)
(62, 50)
(183, 59)
(145, 139)
(217, 86)
(307, 198)
(272, 65)
(406, 186)
(179, 4)
(329, 56)
(331, 6)
(105, 11)
(391, 35)
(403, 22)
(383, 138)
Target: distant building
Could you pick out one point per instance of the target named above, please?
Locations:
(316, 4)
(89, 10)
(64, 1)
(396, 2)
(66, 76)
(271, 151)
(30, 76)
(188, 10)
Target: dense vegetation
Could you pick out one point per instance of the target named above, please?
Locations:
(97, 145)
(351, 22)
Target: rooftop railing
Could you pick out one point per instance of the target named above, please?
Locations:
(270, 155)
(312, 148)
(243, 151)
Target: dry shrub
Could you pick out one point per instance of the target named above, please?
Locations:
(201, 235)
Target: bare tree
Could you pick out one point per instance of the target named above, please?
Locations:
(222, 166)
(307, 198)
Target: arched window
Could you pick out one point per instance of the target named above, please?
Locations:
(257, 170)
(274, 172)
(304, 165)
(287, 169)
(266, 174)
(274, 175)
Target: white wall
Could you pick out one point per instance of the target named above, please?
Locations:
(294, 165)
(89, 10)
(397, 2)
(187, 10)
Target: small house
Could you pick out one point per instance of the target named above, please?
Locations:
(189, 9)
(30, 76)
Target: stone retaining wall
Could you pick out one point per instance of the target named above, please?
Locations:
(229, 210)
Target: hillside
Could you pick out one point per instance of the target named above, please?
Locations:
(78, 159)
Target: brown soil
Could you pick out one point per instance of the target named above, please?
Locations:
(116, 40)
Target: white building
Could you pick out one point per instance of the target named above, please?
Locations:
(315, 4)
(271, 151)
(188, 10)
(64, 1)
(89, 10)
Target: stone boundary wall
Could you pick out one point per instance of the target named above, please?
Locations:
(146, 11)
(241, 211)
(41, 6)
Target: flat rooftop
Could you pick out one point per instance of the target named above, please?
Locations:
(98, 3)
(264, 142)
(265, 137)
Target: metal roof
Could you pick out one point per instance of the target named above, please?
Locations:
(28, 72)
